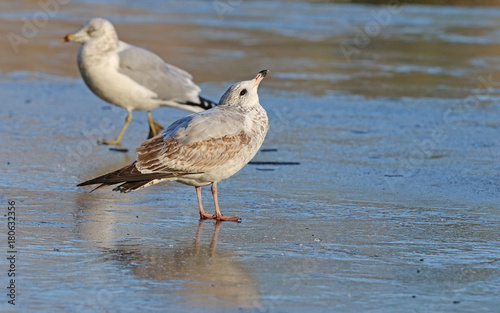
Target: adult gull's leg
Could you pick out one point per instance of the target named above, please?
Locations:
(120, 135)
(154, 127)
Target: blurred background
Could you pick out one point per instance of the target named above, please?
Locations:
(369, 48)
(390, 107)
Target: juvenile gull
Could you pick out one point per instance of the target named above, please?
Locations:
(200, 149)
(131, 77)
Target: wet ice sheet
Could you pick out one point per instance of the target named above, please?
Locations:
(382, 213)
(341, 237)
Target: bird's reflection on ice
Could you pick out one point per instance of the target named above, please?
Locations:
(213, 278)
(202, 273)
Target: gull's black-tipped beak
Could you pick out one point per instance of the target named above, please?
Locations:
(260, 77)
(264, 73)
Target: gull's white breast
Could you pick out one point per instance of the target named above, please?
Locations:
(100, 73)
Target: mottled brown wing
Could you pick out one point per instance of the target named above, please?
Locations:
(158, 156)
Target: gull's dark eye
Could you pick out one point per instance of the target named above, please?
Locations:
(90, 30)
(243, 92)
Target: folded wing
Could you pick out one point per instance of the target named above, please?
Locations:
(170, 83)
(196, 143)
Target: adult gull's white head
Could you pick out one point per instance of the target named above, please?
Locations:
(95, 29)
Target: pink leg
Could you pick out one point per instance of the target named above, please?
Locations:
(218, 214)
(203, 214)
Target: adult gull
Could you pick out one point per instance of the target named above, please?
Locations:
(131, 77)
(200, 149)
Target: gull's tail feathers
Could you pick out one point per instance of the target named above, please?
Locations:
(203, 103)
(130, 179)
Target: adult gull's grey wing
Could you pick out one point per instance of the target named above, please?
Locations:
(170, 83)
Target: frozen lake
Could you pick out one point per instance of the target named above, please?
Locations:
(392, 112)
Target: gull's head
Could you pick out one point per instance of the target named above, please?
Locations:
(93, 29)
(243, 94)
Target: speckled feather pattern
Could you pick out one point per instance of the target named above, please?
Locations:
(216, 157)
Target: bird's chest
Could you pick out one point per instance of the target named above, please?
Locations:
(99, 71)
(92, 63)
